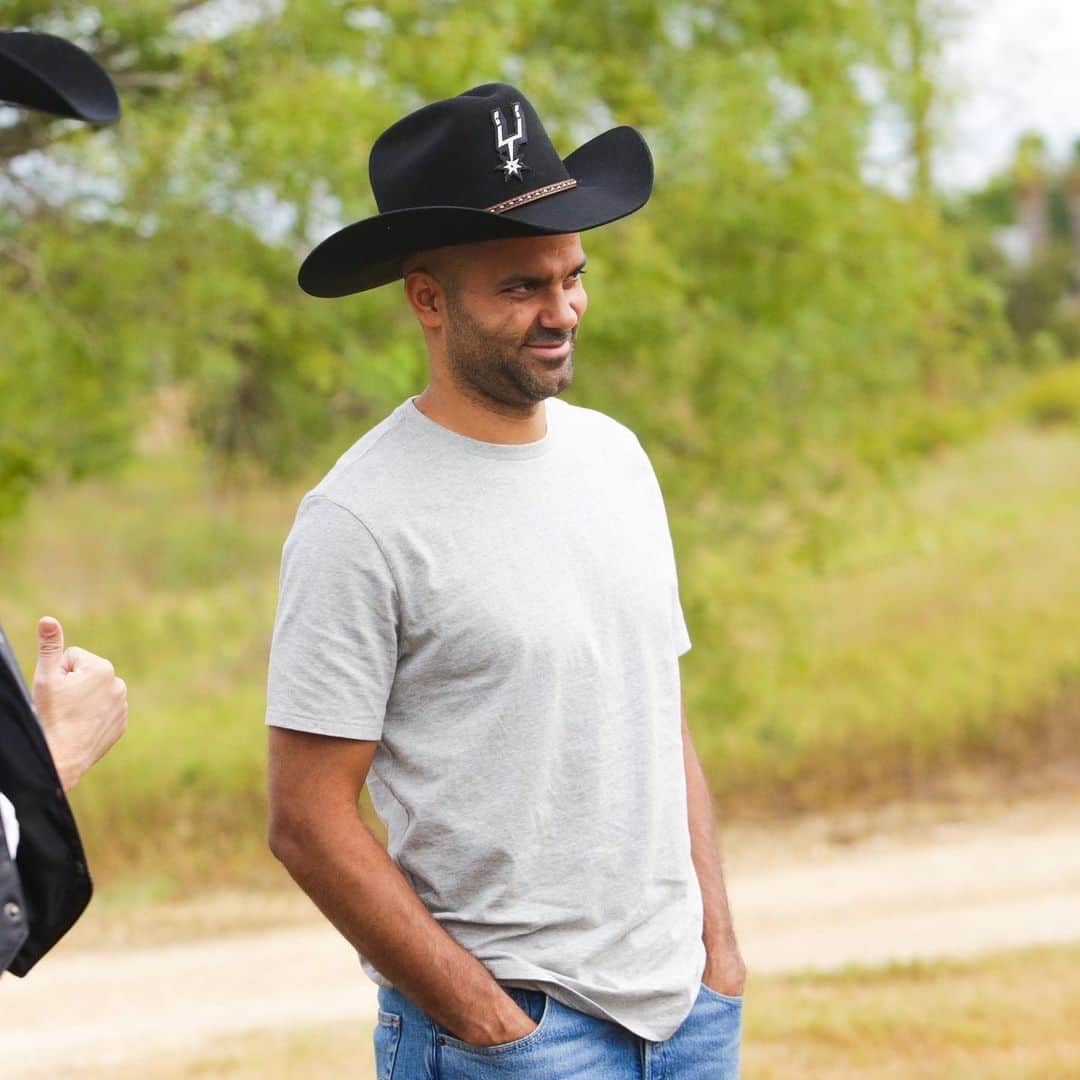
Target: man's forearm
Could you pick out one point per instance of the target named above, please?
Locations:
(718, 929)
(356, 885)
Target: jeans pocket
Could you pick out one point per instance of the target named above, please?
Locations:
(729, 999)
(499, 1049)
(387, 1037)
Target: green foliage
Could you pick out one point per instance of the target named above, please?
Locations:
(1052, 398)
(768, 297)
(1039, 287)
(994, 204)
(67, 394)
(1066, 327)
(1035, 290)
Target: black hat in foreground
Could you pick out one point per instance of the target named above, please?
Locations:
(48, 73)
(479, 166)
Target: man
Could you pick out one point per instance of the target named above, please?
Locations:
(78, 707)
(479, 604)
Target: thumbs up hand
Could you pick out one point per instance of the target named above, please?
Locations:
(81, 702)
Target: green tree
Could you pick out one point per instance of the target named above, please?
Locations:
(769, 296)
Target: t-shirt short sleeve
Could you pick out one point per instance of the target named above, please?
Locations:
(335, 645)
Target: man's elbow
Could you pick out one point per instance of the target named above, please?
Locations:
(288, 837)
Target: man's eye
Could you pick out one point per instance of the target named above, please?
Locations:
(577, 275)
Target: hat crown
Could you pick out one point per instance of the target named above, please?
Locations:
(474, 150)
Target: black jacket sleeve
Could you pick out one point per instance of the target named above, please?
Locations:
(50, 863)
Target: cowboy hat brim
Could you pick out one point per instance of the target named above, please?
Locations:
(614, 174)
(48, 73)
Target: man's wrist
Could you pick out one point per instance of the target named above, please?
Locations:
(725, 969)
(720, 941)
(497, 1020)
(68, 770)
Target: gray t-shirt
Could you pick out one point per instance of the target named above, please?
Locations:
(505, 620)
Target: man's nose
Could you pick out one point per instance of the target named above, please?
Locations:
(560, 313)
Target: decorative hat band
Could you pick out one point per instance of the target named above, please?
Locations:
(531, 196)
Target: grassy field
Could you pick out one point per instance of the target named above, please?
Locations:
(855, 646)
(1006, 1017)
(911, 630)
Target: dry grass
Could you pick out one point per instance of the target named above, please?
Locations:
(1006, 1017)
(326, 1053)
(1010, 1016)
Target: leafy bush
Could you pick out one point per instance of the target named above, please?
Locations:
(1052, 398)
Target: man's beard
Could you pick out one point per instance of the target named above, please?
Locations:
(497, 370)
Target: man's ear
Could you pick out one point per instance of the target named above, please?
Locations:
(426, 297)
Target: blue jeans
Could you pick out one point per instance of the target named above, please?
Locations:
(566, 1044)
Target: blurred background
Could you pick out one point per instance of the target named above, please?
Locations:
(846, 328)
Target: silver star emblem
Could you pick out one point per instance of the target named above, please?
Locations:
(513, 167)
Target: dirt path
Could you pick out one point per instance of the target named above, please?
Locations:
(816, 895)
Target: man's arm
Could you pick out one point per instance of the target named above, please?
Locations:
(724, 967)
(317, 834)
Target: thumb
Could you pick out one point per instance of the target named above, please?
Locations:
(50, 645)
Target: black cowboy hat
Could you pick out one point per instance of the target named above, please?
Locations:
(48, 73)
(475, 167)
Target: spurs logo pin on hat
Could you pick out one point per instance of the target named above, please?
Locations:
(506, 145)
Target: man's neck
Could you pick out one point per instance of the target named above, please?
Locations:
(465, 417)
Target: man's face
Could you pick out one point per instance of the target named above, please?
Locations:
(513, 313)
